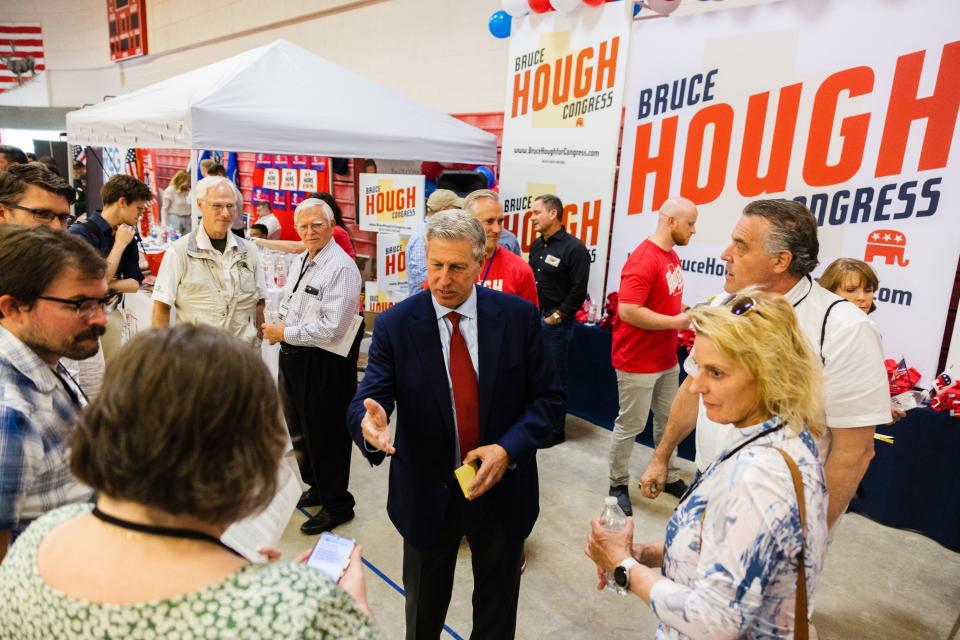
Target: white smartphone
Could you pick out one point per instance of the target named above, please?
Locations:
(332, 554)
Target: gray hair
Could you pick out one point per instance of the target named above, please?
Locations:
(315, 202)
(457, 224)
(793, 229)
(470, 201)
(212, 182)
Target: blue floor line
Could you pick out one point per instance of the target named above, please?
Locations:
(380, 574)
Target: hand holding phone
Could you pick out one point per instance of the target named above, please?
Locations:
(331, 555)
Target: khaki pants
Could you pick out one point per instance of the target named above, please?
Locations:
(638, 391)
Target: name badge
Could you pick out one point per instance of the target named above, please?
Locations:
(283, 310)
(552, 260)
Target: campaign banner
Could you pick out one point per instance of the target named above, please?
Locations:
(375, 300)
(296, 197)
(587, 196)
(392, 265)
(271, 178)
(390, 202)
(565, 82)
(753, 105)
(278, 201)
(281, 160)
(288, 179)
(566, 74)
(261, 194)
(299, 162)
(264, 160)
(308, 180)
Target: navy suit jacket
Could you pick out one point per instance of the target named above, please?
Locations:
(521, 404)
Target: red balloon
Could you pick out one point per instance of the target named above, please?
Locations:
(540, 6)
(594, 3)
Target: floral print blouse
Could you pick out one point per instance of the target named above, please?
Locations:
(732, 545)
(262, 601)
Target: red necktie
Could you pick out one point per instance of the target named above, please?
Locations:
(466, 396)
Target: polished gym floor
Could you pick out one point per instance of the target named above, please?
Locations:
(879, 583)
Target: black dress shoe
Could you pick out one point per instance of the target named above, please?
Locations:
(309, 499)
(676, 488)
(325, 521)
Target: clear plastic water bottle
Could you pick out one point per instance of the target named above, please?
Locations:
(280, 272)
(613, 519)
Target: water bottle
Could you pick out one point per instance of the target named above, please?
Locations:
(280, 272)
(613, 519)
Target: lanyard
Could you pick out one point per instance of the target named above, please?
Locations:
(303, 269)
(489, 264)
(727, 455)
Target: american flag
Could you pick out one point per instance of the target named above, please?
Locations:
(79, 153)
(130, 163)
(900, 371)
(21, 53)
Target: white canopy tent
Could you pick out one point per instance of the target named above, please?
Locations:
(280, 98)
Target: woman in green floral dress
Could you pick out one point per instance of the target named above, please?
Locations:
(184, 440)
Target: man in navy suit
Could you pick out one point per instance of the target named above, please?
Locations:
(466, 369)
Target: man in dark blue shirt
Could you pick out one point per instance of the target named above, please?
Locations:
(112, 231)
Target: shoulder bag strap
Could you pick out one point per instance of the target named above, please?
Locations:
(801, 624)
(823, 328)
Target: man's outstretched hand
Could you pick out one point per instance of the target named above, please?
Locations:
(375, 427)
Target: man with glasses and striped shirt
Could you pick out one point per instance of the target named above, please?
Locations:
(53, 304)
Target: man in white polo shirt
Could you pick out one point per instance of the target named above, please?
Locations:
(774, 246)
(212, 276)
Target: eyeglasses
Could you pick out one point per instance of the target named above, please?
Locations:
(742, 305)
(45, 215)
(217, 207)
(313, 226)
(88, 307)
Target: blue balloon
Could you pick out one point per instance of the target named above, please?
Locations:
(500, 23)
(488, 172)
(429, 186)
(636, 9)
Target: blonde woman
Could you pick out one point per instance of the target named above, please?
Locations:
(853, 280)
(730, 564)
(175, 203)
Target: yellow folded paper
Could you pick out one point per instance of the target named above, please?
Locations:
(465, 476)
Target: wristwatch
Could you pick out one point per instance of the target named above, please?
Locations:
(621, 574)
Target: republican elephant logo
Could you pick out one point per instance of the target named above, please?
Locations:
(886, 244)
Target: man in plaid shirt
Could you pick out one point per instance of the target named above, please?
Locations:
(53, 299)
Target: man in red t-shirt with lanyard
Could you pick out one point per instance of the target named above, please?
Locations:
(649, 314)
(502, 270)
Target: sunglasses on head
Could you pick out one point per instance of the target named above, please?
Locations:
(742, 305)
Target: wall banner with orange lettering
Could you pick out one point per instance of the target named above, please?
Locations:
(802, 101)
(390, 202)
(565, 80)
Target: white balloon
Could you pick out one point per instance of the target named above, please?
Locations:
(565, 6)
(663, 7)
(516, 8)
